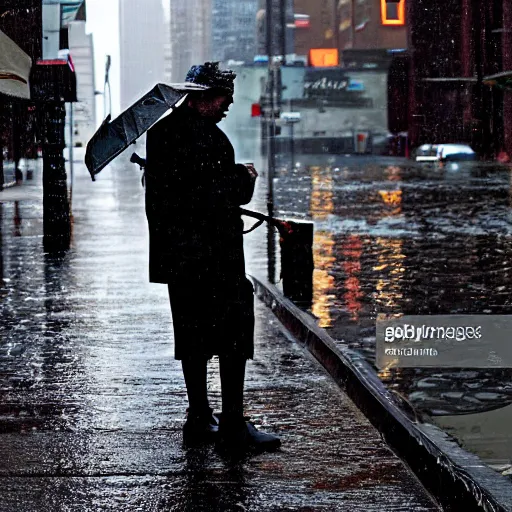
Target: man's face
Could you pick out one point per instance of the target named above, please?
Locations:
(213, 104)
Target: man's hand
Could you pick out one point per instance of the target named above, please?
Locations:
(252, 171)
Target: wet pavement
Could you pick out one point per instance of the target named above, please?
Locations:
(392, 236)
(92, 402)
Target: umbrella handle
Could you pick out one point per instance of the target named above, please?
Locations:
(136, 159)
(282, 226)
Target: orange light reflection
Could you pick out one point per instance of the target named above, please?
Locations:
(389, 287)
(321, 205)
(353, 250)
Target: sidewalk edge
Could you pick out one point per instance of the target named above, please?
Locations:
(458, 480)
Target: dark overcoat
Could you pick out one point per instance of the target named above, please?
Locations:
(193, 193)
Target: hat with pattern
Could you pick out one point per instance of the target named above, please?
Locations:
(209, 75)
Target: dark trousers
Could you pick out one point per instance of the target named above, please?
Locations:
(232, 375)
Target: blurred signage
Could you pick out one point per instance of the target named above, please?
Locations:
(355, 85)
(335, 85)
(301, 20)
(324, 57)
(324, 83)
(290, 117)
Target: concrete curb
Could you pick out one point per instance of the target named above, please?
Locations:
(457, 479)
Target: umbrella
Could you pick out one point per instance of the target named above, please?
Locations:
(113, 137)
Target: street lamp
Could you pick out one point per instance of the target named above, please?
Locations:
(105, 85)
(270, 131)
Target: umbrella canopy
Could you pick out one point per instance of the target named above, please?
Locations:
(113, 137)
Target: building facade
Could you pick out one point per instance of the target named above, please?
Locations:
(21, 21)
(191, 33)
(351, 24)
(453, 97)
(234, 30)
(167, 47)
(320, 30)
(506, 44)
(84, 111)
(371, 24)
(282, 23)
(141, 33)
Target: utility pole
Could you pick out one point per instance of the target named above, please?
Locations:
(270, 131)
(282, 13)
(270, 103)
(71, 164)
(352, 23)
(105, 85)
(56, 217)
(336, 23)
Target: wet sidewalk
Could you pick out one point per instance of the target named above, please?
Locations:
(92, 402)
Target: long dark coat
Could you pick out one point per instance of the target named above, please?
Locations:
(193, 193)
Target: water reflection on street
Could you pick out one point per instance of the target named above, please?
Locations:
(395, 237)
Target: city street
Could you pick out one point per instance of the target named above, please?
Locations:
(393, 236)
(379, 137)
(92, 401)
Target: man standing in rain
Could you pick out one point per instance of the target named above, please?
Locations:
(193, 193)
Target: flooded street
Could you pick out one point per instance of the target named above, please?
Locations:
(392, 236)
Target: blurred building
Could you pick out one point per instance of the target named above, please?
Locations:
(459, 76)
(167, 48)
(282, 23)
(334, 25)
(371, 24)
(234, 30)
(20, 24)
(40, 30)
(191, 34)
(349, 24)
(318, 31)
(506, 65)
(141, 34)
(84, 111)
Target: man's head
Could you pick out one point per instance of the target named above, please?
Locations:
(215, 101)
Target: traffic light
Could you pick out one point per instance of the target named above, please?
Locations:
(255, 110)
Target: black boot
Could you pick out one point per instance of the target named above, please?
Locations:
(201, 427)
(238, 436)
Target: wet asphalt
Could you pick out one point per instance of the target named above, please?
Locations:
(396, 237)
(92, 402)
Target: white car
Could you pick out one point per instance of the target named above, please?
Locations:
(444, 152)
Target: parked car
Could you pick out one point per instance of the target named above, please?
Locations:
(444, 152)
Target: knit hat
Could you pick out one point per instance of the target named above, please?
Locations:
(209, 75)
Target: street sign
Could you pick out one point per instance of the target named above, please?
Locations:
(290, 117)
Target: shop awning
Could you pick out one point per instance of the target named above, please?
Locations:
(15, 67)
